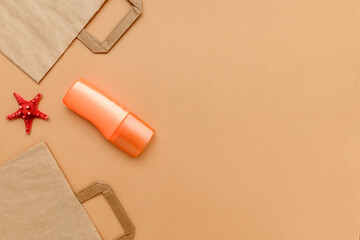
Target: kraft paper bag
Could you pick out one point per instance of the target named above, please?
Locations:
(34, 34)
(36, 201)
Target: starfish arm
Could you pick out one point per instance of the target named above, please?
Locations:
(28, 124)
(36, 99)
(19, 99)
(41, 115)
(13, 115)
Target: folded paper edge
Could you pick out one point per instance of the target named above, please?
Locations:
(98, 188)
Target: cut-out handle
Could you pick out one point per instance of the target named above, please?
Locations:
(96, 47)
(105, 189)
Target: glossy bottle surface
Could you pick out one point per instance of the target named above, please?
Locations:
(119, 126)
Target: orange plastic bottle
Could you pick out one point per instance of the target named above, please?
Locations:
(119, 126)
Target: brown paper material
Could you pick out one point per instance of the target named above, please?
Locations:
(96, 47)
(36, 202)
(105, 189)
(34, 34)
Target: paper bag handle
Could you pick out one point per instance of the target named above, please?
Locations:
(96, 47)
(105, 189)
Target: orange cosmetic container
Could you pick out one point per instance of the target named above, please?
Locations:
(119, 126)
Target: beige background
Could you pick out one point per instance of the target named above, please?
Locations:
(256, 104)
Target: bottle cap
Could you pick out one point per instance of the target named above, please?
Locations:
(132, 135)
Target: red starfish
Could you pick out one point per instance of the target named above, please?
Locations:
(28, 110)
